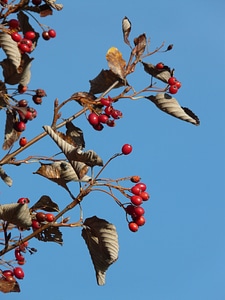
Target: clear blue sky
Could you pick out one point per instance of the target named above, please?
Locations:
(180, 253)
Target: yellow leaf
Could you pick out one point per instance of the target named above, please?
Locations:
(116, 62)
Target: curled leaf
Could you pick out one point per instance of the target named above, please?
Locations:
(161, 74)
(16, 213)
(89, 157)
(50, 234)
(11, 49)
(54, 5)
(116, 62)
(5, 177)
(169, 105)
(104, 80)
(45, 203)
(87, 100)
(7, 286)
(11, 135)
(102, 241)
(140, 45)
(126, 28)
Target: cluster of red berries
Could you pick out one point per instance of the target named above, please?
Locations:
(10, 275)
(174, 85)
(108, 116)
(26, 113)
(134, 209)
(41, 218)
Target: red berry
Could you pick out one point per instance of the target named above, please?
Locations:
(173, 89)
(35, 224)
(133, 226)
(36, 2)
(138, 211)
(40, 216)
(22, 141)
(172, 80)
(37, 100)
(20, 126)
(159, 65)
(45, 35)
(136, 190)
(14, 23)
(52, 33)
(103, 118)
(27, 42)
(30, 35)
(98, 127)
(145, 196)
(178, 84)
(142, 186)
(24, 47)
(22, 88)
(7, 273)
(108, 110)
(130, 209)
(105, 102)
(140, 221)
(18, 255)
(23, 200)
(136, 200)
(126, 149)
(116, 114)
(111, 123)
(22, 103)
(18, 273)
(93, 119)
(23, 246)
(49, 217)
(40, 93)
(16, 36)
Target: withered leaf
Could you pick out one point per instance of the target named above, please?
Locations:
(54, 5)
(3, 95)
(7, 286)
(90, 158)
(104, 80)
(87, 100)
(5, 177)
(62, 172)
(45, 203)
(11, 49)
(162, 74)
(16, 213)
(76, 135)
(140, 45)
(169, 105)
(102, 242)
(50, 234)
(116, 62)
(11, 135)
(126, 28)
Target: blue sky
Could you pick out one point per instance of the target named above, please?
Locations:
(180, 252)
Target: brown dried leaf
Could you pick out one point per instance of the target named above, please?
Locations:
(140, 45)
(54, 5)
(45, 10)
(5, 177)
(11, 49)
(8, 286)
(126, 28)
(169, 105)
(163, 74)
(45, 203)
(50, 234)
(11, 135)
(103, 81)
(102, 242)
(16, 213)
(87, 100)
(116, 62)
(90, 158)
(76, 134)
(3, 95)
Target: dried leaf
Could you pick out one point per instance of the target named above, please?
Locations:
(16, 213)
(89, 157)
(116, 62)
(169, 105)
(45, 10)
(54, 5)
(45, 203)
(3, 95)
(62, 172)
(102, 242)
(50, 234)
(162, 74)
(87, 100)
(76, 134)
(5, 177)
(11, 49)
(126, 28)
(103, 81)
(7, 286)
(11, 135)
(140, 45)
